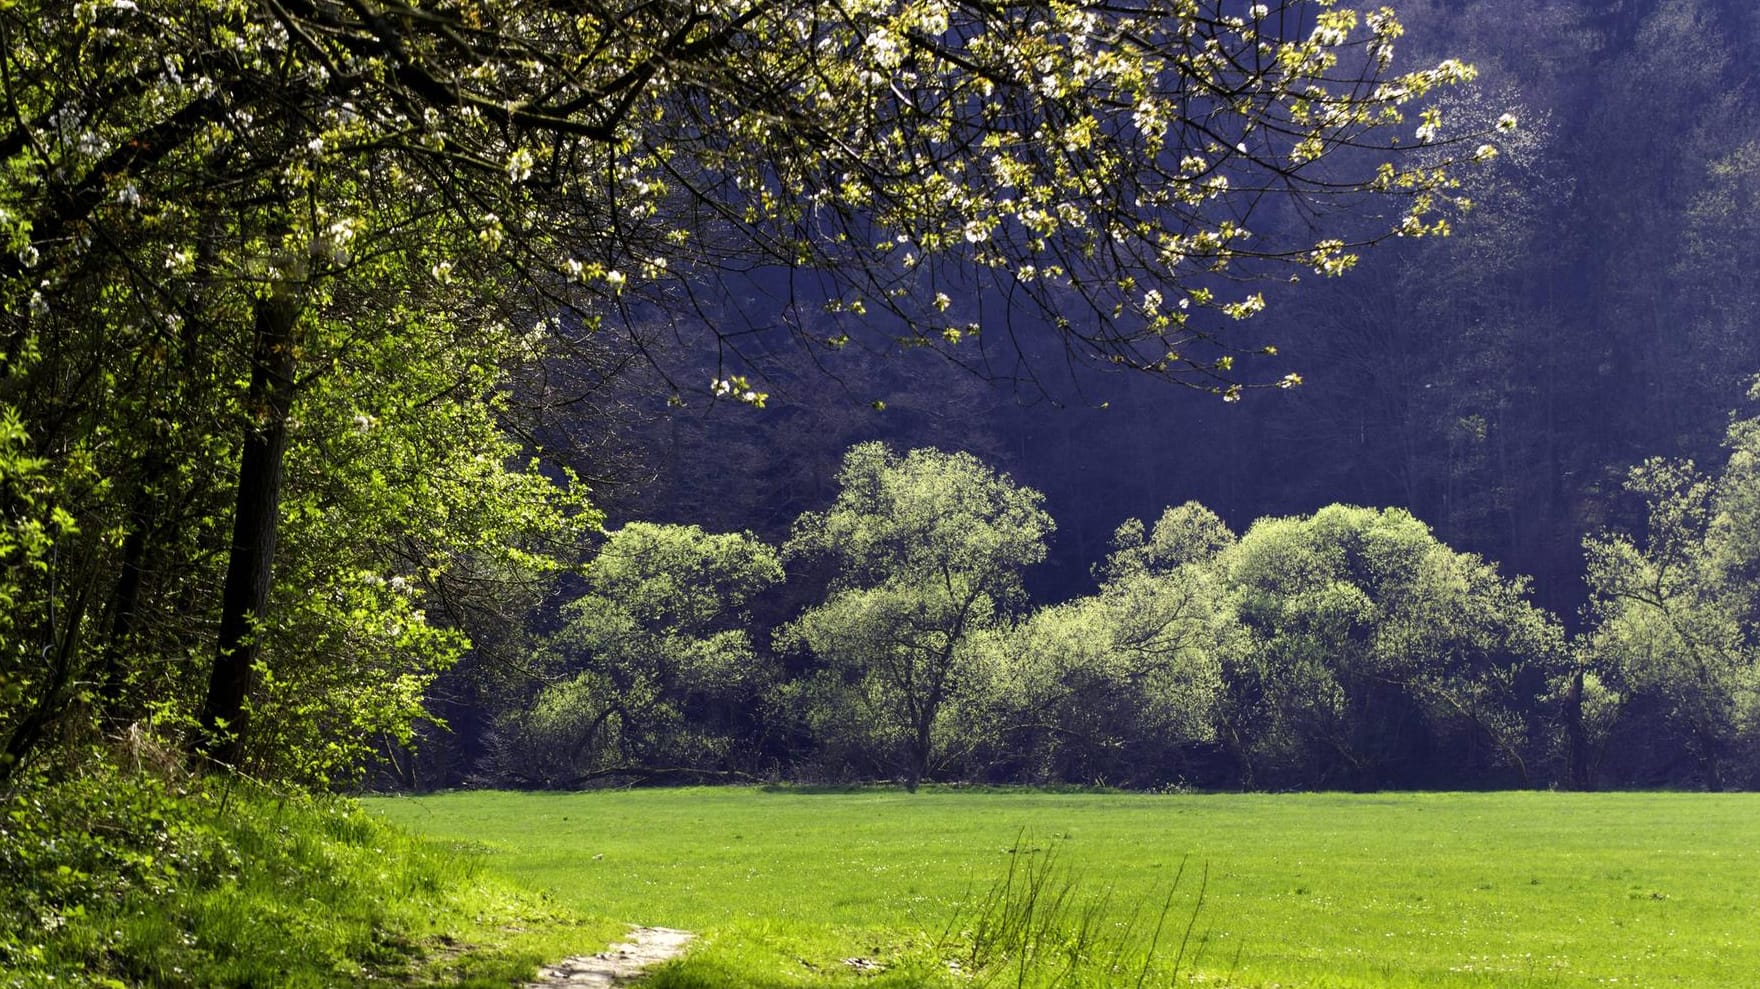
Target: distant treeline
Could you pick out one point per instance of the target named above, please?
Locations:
(891, 637)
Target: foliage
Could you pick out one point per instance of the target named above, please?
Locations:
(1674, 615)
(1119, 686)
(1369, 647)
(928, 550)
(653, 668)
(30, 530)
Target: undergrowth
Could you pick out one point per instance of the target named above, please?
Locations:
(120, 879)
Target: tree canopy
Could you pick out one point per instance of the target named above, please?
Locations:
(1674, 608)
(927, 551)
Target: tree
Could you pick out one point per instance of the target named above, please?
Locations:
(1119, 686)
(653, 669)
(1674, 614)
(927, 550)
(1374, 654)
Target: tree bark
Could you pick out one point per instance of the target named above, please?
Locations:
(244, 600)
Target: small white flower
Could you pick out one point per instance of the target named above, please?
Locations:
(884, 48)
(942, 302)
(492, 233)
(519, 165)
(934, 20)
(1507, 122)
(616, 280)
(315, 145)
(976, 232)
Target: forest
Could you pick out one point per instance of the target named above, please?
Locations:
(1349, 648)
(394, 404)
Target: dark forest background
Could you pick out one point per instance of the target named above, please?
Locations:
(1597, 307)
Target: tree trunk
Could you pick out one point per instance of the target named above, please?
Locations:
(1581, 772)
(114, 702)
(244, 600)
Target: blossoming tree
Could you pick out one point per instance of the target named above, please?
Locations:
(217, 211)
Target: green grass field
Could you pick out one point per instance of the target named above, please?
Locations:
(1302, 891)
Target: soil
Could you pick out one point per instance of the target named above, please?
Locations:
(616, 965)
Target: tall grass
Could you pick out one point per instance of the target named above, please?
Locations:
(1042, 926)
(1039, 926)
(119, 879)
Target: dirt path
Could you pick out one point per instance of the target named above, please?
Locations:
(645, 948)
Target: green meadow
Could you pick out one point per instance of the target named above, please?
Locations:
(793, 887)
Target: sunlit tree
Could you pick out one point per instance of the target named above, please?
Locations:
(1675, 610)
(1119, 686)
(927, 549)
(1368, 647)
(653, 669)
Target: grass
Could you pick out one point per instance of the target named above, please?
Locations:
(805, 888)
(116, 879)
